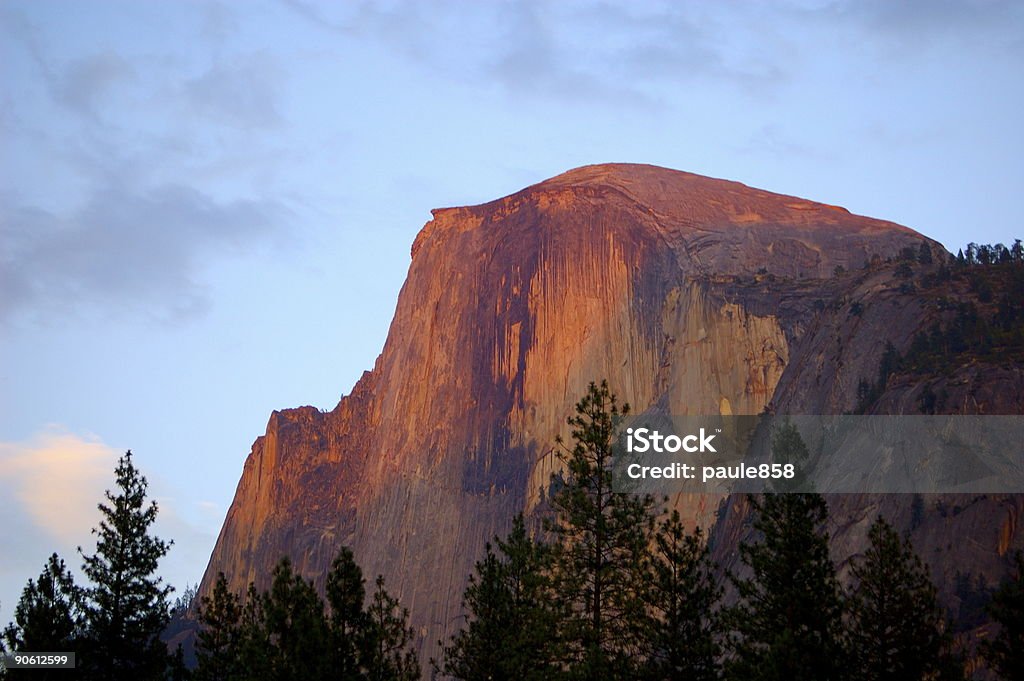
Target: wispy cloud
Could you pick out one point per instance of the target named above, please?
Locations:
(960, 17)
(773, 141)
(218, 24)
(625, 51)
(244, 92)
(906, 30)
(133, 168)
(85, 85)
(142, 248)
(610, 52)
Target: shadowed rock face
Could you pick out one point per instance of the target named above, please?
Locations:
(641, 275)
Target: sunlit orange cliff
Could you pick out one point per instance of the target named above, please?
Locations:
(700, 295)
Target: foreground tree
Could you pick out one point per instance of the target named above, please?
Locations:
(1005, 653)
(295, 628)
(347, 622)
(683, 596)
(603, 538)
(897, 630)
(285, 633)
(512, 630)
(48, 617)
(388, 654)
(253, 654)
(219, 636)
(126, 606)
(787, 623)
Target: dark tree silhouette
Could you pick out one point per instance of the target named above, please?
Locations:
(285, 633)
(1005, 653)
(896, 630)
(787, 623)
(126, 606)
(295, 627)
(513, 625)
(683, 596)
(388, 655)
(219, 636)
(603, 539)
(48, 618)
(347, 622)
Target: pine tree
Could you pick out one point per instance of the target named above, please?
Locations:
(296, 627)
(254, 644)
(218, 640)
(126, 607)
(183, 602)
(603, 542)
(387, 653)
(788, 619)
(3, 653)
(788, 447)
(684, 597)
(284, 633)
(48, 618)
(345, 595)
(177, 670)
(1005, 653)
(512, 632)
(896, 630)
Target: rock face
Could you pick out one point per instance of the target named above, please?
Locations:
(698, 295)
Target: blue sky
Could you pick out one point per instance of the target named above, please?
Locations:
(206, 208)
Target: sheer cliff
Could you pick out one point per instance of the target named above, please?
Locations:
(698, 295)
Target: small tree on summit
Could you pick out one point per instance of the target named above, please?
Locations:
(126, 606)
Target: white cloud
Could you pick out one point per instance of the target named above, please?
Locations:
(51, 485)
(58, 478)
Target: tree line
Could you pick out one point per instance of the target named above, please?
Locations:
(988, 325)
(287, 632)
(616, 593)
(113, 623)
(609, 586)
